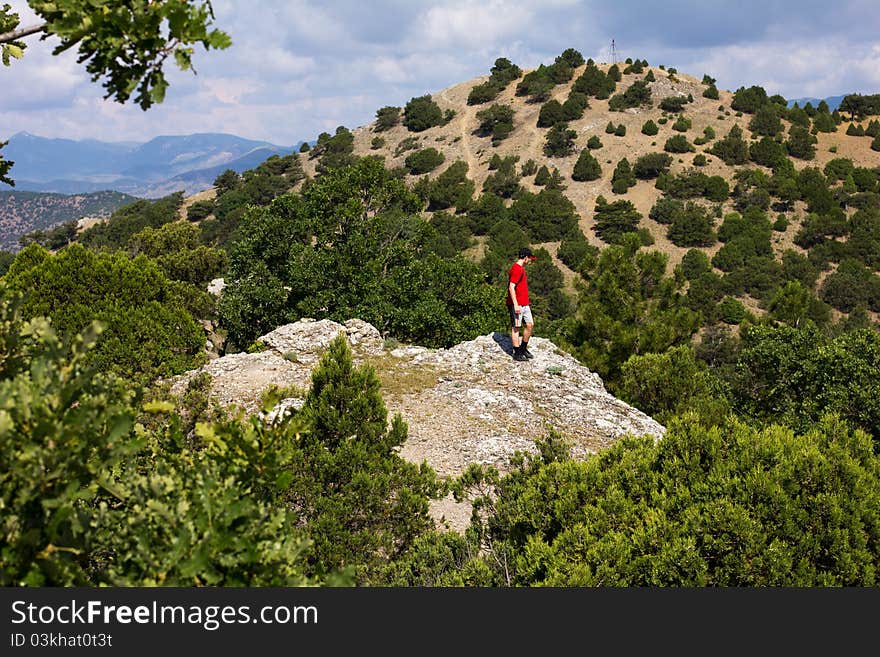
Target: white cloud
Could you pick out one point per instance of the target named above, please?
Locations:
(470, 24)
(300, 67)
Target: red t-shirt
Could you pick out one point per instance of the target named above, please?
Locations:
(517, 272)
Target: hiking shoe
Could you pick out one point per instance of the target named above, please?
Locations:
(518, 355)
(527, 353)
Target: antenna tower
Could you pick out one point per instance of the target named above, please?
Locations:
(613, 53)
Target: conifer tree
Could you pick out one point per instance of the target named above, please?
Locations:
(362, 502)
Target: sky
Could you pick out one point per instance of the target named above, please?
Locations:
(297, 68)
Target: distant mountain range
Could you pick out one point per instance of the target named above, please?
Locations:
(148, 170)
(833, 101)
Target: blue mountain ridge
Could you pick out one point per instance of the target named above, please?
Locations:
(69, 166)
(833, 101)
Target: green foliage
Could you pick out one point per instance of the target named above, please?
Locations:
(421, 113)
(452, 231)
(731, 311)
(672, 383)
(485, 213)
(613, 220)
(733, 149)
(386, 118)
(332, 152)
(681, 124)
(749, 100)
(711, 92)
(692, 226)
(620, 130)
(637, 94)
(622, 178)
(725, 505)
(451, 188)
(360, 501)
(177, 249)
(627, 306)
(529, 168)
(824, 122)
(594, 82)
(551, 113)
(855, 130)
(693, 184)
(352, 245)
(795, 375)
(502, 74)
(575, 251)
(423, 161)
(651, 165)
(131, 219)
(850, 286)
(586, 168)
(665, 209)
(767, 152)
(538, 83)
(505, 181)
(496, 121)
(766, 122)
(150, 330)
(859, 106)
(200, 210)
(694, 263)
(574, 106)
(800, 143)
(673, 104)
(546, 216)
(795, 304)
(650, 128)
(838, 168)
(594, 143)
(62, 428)
(559, 141)
(678, 144)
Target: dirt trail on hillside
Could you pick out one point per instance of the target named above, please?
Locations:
(466, 123)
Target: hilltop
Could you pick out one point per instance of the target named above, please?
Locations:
(461, 140)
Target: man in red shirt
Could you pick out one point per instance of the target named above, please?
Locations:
(518, 305)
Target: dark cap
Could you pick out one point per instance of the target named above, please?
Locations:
(526, 252)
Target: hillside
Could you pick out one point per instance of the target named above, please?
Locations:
(24, 212)
(460, 140)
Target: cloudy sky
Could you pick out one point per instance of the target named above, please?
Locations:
(301, 67)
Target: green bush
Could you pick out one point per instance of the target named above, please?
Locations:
(613, 220)
(637, 514)
(423, 161)
(422, 113)
(496, 121)
(731, 310)
(651, 165)
(200, 210)
(386, 118)
(678, 144)
(650, 128)
(559, 141)
(150, 328)
(694, 263)
(586, 168)
(546, 216)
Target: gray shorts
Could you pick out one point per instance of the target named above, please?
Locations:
(525, 315)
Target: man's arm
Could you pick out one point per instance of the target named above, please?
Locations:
(511, 289)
